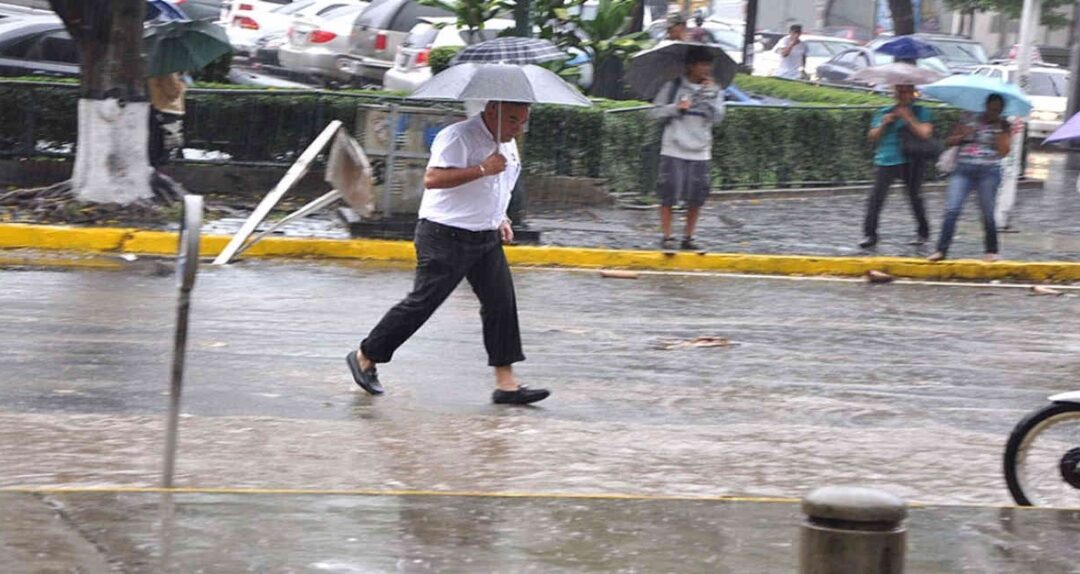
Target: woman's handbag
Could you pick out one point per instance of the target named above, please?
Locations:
(914, 147)
(947, 162)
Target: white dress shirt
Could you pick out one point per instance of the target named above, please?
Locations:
(480, 204)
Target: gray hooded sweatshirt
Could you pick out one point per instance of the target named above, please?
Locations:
(688, 135)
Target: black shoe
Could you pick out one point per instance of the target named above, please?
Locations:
(667, 243)
(919, 240)
(868, 242)
(689, 244)
(522, 396)
(368, 380)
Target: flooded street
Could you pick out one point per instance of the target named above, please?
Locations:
(911, 388)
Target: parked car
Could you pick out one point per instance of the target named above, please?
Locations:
(376, 35)
(314, 43)
(819, 49)
(232, 9)
(245, 31)
(411, 66)
(200, 9)
(839, 68)
(960, 54)
(1048, 89)
(38, 46)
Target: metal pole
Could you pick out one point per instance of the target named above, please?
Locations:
(1029, 19)
(187, 265)
(748, 36)
(391, 155)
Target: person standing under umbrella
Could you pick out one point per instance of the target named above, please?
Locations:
(891, 163)
(690, 105)
(983, 141)
(459, 236)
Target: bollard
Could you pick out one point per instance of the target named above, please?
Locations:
(852, 530)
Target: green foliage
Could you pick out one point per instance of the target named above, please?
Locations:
(471, 14)
(440, 58)
(807, 93)
(614, 140)
(1051, 16)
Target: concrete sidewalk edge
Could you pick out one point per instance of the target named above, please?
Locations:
(137, 241)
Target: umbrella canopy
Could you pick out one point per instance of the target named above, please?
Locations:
(500, 82)
(182, 46)
(510, 50)
(896, 73)
(908, 48)
(651, 69)
(970, 92)
(163, 10)
(1069, 130)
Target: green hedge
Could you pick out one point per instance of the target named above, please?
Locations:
(754, 146)
(808, 93)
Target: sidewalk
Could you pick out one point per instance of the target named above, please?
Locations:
(289, 532)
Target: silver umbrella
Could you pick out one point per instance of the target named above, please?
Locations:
(896, 73)
(500, 82)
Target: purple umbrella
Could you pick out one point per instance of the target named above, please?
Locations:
(1068, 130)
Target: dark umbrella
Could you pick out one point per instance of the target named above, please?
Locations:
(182, 46)
(651, 69)
(908, 48)
(510, 50)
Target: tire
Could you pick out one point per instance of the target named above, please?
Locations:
(1021, 443)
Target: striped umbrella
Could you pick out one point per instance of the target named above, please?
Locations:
(510, 50)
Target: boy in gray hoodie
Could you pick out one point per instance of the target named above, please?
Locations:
(690, 106)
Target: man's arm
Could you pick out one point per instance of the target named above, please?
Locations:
(447, 177)
(661, 107)
(922, 129)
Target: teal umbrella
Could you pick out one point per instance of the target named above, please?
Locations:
(182, 46)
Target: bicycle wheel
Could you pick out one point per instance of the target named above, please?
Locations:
(1042, 458)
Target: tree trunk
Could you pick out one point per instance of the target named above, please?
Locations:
(111, 159)
(903, 17)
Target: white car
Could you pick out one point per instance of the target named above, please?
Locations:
(411, 66)
(1048, 90)
(247, 26)
(315, 42)
(819, 49)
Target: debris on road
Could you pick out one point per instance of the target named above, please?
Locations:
(704, 341)
(874, 276)
(618, 274)
(1041, 290)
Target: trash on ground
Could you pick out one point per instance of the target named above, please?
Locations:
(704, 341)
(618, 274)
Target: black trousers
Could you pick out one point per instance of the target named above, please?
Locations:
(444, 256)
(911, 175)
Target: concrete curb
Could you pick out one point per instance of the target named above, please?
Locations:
(129, 240)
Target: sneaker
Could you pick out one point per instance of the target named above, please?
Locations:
(522, 396)
(919, 240)
(936, 256)
(368, 380)
(667, 243)
(689, 244)
(868, 242)
(991, 257)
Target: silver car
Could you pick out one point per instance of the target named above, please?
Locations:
(411, 66)
(315, 43)
(376, 35)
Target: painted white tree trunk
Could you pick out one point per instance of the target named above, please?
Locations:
(112, 164)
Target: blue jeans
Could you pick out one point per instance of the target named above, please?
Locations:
(985, 180)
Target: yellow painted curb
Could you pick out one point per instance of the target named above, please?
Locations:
(47, 237)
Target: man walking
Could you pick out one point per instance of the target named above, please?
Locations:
(792, 54)
(459, 236)
(690, 106)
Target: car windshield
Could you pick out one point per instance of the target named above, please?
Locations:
(963, 53)
(825, 49)
(1045, 84)
(344, 12)
(293, 8)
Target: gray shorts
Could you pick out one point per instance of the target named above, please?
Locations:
(684, 180)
